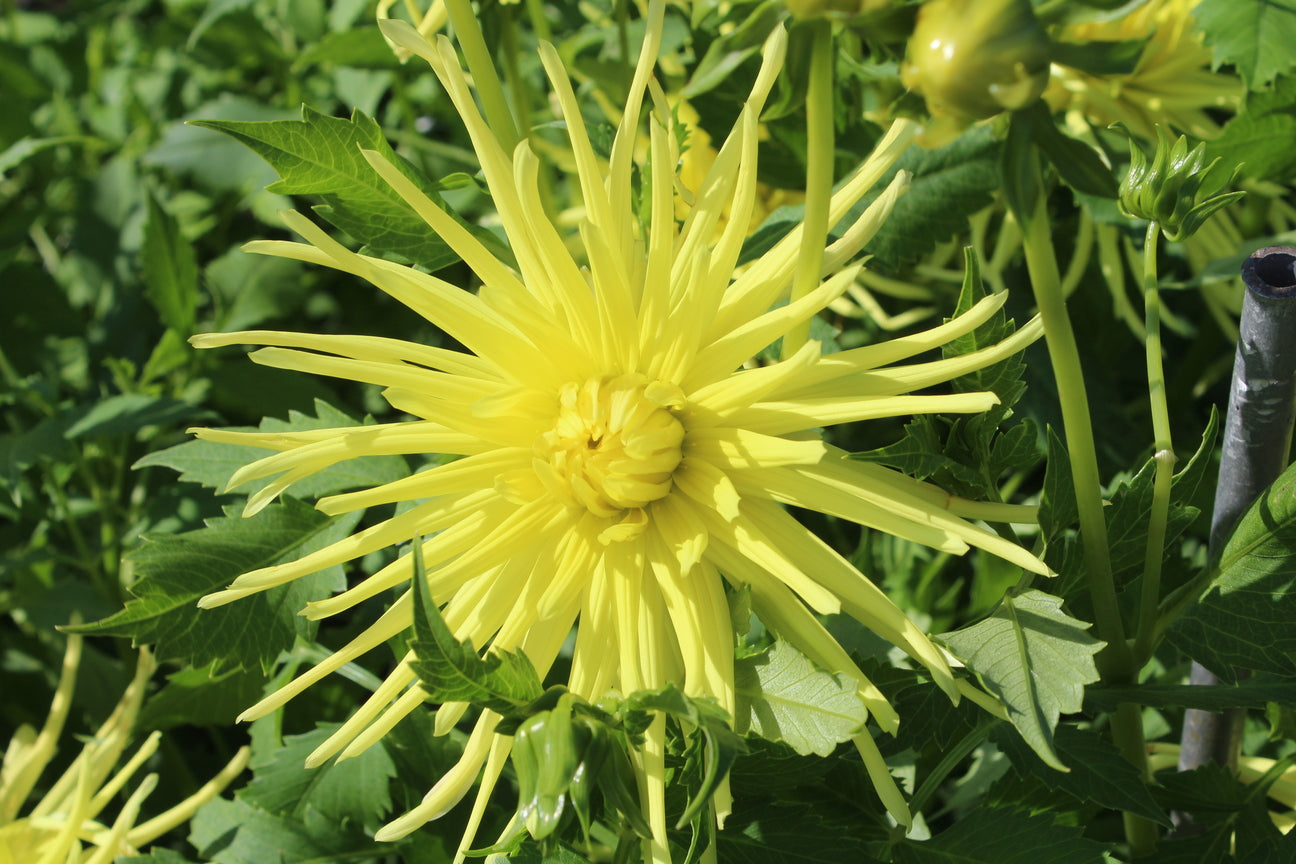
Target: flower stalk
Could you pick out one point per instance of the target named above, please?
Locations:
(1115, 661)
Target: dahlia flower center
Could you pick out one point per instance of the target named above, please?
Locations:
(615, 442)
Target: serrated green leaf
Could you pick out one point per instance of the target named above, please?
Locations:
(782, 696)
(1099, 773)
(1035, 658)
(211, 463)
(1255, 140)
(948, 186)
(1247, 617)
(999, 836)
(236, 832)
(351, 790)
(170, 269)
(174, 571)
(320, 155)
(1254, 36)
(1058, 508)
(452, 671)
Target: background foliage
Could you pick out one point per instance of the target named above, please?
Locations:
(120, 228)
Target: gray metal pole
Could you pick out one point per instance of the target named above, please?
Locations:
(1257, 439)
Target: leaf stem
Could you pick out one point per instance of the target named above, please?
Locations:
(819, 176)
(1164, 447)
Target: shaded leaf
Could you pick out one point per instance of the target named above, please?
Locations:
(1099, 773)
(999, 836)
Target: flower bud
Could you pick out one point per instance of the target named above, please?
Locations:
(972, 59)
(1174, 190)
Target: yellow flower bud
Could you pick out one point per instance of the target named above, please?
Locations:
(972, 59)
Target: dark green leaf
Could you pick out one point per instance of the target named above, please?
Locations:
(762, 831)
(127, 413)
(359, 47)
(353, 790)
(1057, 502)
(451, 671)
(1256, 139)
(211, 463)
(1247, 617)
(1019, 164)
(1036, 659)
(236, 832)
(998, 836)
(198, 698)
(173, 572)
(1099, 773)
(170, 269)
(1077, 163)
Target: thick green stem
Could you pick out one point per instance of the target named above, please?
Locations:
(1115, 661)
(1041, 262)
(1164, 449)
(819, 177)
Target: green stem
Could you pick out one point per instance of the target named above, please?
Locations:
(1115, 661)
(1041, 262)
(819, 177)
(489, 89)
(1164, 447)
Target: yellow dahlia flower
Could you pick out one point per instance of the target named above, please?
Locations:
(618, 463)
(1172, 82)
(63, 827)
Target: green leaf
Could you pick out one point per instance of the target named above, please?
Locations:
(1255, 37)
(1255, 141)
(762, 831)
(1058, 508)
(1036, 659)
(155, 856)
(346, 790)
(211, 463)
(998, 836)
(236, 832)
(129, 412)
(1247, 617)
(1099, 773)
(452, 671)
(197, 697)
(948, 186)
(170, 269)
(782, 696)
(357, 47)
(174, 571)
(24, 148)
(1077, 163)
(320, 155)
(1019, 163)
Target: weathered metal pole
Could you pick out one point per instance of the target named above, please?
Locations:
(1257, 438)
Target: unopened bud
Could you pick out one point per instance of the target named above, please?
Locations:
(1174, 190)
(972, 59)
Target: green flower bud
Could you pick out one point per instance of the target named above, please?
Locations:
(972, 59)
(1174, 190)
